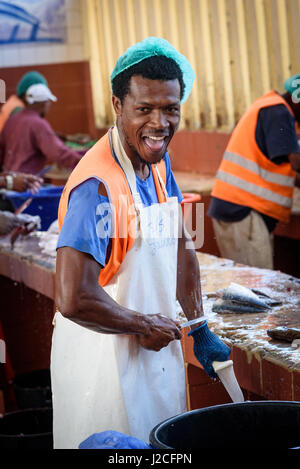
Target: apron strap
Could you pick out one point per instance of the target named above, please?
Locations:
(126, 165)
(161, 182)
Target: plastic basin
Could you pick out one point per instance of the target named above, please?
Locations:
(33, 389)
(45, 203)
(26, 429)
(260, 424)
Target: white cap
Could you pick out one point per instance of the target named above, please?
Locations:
(39, 93)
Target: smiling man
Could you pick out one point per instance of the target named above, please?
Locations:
(116, 361)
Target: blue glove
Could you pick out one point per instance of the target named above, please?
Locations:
(112, 440)
(208, 348)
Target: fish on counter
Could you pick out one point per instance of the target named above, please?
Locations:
(240, 299)
(285, 334)
(266, 298)
(228, 307)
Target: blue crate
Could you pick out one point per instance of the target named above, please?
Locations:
(45, 203)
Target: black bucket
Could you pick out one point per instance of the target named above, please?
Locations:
(260, 424)
(27, 429)
(33, 389)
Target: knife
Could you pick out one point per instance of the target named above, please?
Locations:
(192, 322)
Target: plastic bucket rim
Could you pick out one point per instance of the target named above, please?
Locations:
(43, 193)
(153, 434)
(26, 435)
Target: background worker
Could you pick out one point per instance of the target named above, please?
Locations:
(15, 103)
(116, 360)
(255, 181)
(27, 140)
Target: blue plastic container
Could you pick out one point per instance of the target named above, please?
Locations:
(45, 203)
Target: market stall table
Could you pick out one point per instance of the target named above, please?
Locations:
(265, 369)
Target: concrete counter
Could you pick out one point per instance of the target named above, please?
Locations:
(27, 280)
(265, 368)
(27, 263)
(250, 330)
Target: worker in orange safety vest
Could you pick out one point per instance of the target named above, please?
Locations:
(254, 184)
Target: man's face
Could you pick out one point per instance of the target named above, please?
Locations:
(45, 107)
(148, 118)
(42, 108)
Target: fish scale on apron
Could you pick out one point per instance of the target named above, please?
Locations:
(107, 381)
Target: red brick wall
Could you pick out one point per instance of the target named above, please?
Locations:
(71, 84)
(199, 151)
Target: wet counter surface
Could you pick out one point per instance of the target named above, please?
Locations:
(32, 262)
(29, 263)
(249, 331)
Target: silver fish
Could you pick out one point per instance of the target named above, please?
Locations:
(227, 307)
(239, 299)
(239, 294)
(266, 298)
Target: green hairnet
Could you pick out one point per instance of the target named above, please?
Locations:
(30, 78)
(150, 47)
(292, 84)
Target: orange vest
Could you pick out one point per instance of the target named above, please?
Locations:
(247, 177)
(99, 163)
(12, 103)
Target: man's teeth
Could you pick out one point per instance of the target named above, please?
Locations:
(156, 138)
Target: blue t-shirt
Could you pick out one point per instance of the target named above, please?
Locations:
(87, 224)
(276, 138)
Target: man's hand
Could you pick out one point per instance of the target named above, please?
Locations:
(162, 331)
(208, 348)
(80, 298)
(23, 182)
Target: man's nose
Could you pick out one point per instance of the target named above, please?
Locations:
(159, 119)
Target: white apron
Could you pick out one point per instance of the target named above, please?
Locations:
(108, 382)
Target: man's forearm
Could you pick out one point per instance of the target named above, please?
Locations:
(100, 313)
(80, 299)
(56, 151)
(67, 158)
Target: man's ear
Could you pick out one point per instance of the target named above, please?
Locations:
(116, 102)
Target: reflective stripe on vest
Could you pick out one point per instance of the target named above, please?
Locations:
(262, 192)
(247, 177)
(268, 176)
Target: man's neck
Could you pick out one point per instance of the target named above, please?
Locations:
(141, 167)
(36, 109)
